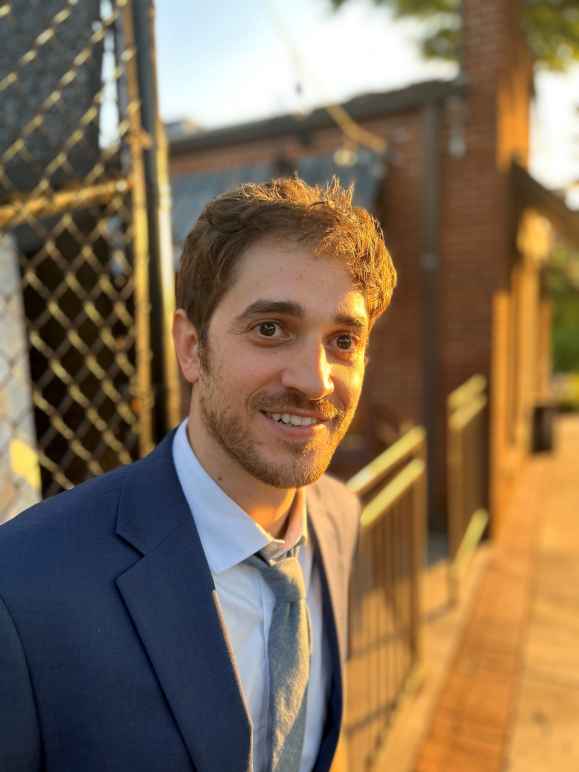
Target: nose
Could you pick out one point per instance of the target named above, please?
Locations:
(309, 371)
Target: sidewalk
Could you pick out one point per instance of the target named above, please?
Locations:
(502, 686)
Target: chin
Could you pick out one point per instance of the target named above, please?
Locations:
(290, 475)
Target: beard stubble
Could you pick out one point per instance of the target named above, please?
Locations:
(301, 464)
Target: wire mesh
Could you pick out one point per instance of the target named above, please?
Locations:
(73, 303)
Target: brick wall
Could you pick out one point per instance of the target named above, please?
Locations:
(394, 377)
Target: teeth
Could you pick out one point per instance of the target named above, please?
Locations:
(293, 420)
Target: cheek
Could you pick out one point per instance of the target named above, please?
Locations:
(256, 371)
(240, 380)
(352, 383)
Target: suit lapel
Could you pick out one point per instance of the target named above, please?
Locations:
(170, 596)
(333, 570)
(335, 608)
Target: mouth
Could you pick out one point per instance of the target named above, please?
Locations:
(299, 425)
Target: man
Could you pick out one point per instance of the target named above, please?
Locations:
(189, 611)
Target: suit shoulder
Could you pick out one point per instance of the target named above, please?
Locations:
(336, 493)
(340, 509)
(43, 526)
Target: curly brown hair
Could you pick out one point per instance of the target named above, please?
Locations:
(324, 218)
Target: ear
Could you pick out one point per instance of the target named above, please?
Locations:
(186, 341)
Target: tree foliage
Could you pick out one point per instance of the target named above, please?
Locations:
(551, 28)
(562, 281)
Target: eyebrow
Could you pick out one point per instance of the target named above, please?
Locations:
(289, 308)
(261, 307)
(359, 322)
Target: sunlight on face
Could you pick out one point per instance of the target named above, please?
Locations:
(284, 367)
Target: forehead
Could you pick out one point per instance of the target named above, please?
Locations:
(277, 269)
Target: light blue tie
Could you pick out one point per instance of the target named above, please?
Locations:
(289, 660)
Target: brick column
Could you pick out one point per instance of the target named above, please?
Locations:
(477, 232)
(477, 227)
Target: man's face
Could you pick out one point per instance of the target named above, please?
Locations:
(280, 379)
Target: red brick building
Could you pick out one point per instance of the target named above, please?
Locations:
(451, 192)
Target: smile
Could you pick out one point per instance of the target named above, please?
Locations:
(290, 419)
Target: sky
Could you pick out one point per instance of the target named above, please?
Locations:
(228, 62)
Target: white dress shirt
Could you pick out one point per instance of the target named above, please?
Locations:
(229, 536)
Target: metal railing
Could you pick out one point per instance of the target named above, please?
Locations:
(466, 474)
(75, 383)
(384, 655)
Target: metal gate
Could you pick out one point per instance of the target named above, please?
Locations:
(75, 375)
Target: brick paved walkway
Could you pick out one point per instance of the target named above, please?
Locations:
(510, 697)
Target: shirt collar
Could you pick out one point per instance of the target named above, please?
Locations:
(228, 534)
(295, 535)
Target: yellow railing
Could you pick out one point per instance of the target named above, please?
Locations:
(466, 474)
(384, 655)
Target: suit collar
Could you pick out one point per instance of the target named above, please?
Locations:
(330, 553)
(151, 504)
(170, 596)
(333, 573)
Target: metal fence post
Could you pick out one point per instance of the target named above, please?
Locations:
(166, 409)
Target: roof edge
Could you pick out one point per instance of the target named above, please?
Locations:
(360, 108)
(529, 192)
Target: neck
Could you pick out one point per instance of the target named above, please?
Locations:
(271, 516)
(267, 506)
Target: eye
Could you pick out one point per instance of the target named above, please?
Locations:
(270, 332)
(267, 329)
(345, 342)
(349, 345)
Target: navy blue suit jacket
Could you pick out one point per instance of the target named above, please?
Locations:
(113, 656)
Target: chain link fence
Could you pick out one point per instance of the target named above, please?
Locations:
(74, 331)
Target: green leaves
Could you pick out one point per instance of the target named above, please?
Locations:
(551, 28)
(424, 8)
(562, 283)
(442, 44)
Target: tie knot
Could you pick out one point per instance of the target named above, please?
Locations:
(285, 577)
